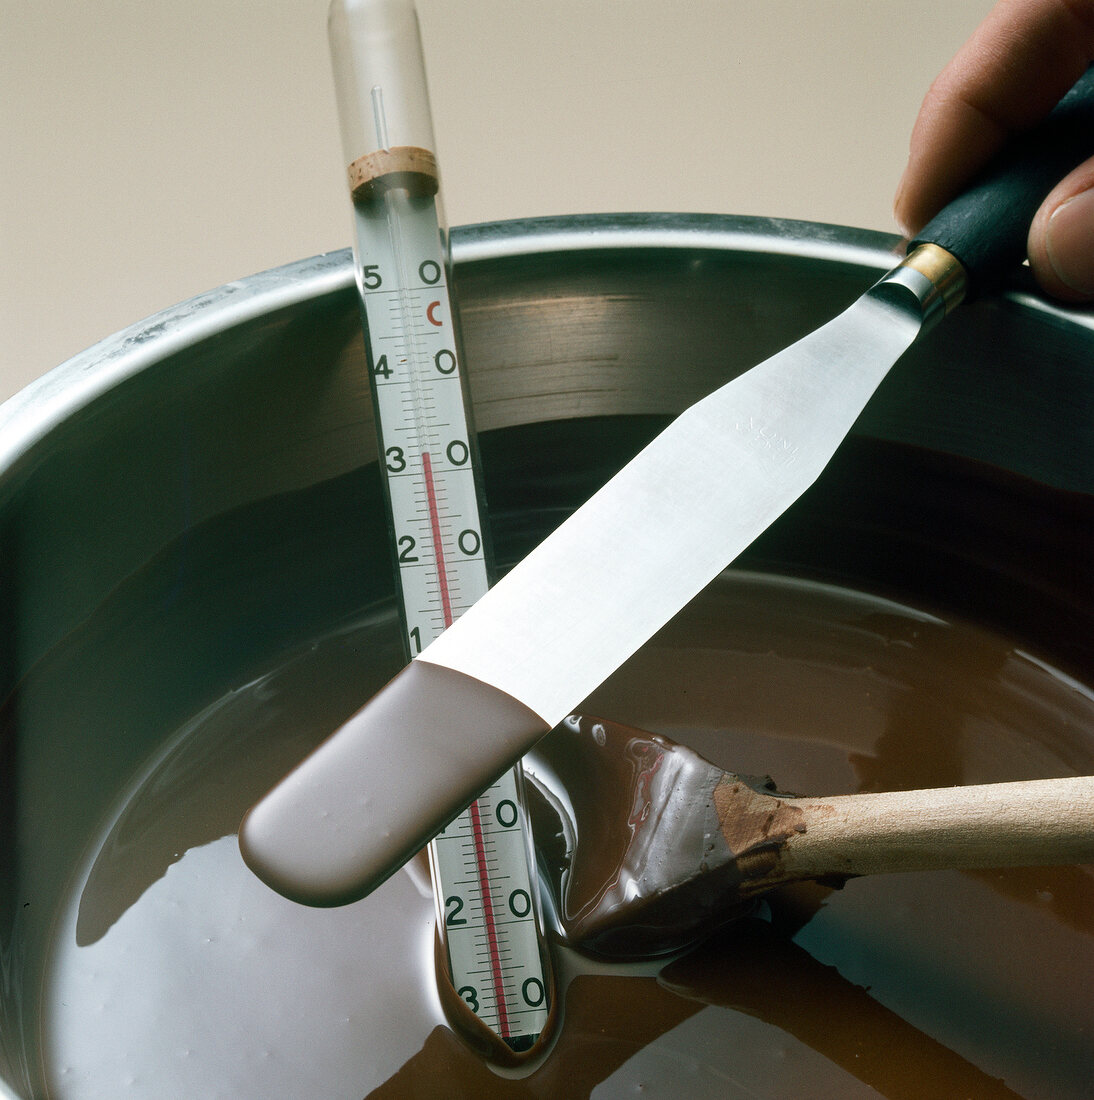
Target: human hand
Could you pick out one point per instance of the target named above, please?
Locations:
(1006, 78)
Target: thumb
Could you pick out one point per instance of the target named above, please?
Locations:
(1061, 238)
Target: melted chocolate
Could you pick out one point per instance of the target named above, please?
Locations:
(192, 973)
(172, 971)
(326, 835)
(645, 869)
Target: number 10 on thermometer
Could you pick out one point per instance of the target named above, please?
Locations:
(482, 863)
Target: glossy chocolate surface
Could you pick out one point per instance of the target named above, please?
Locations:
(918, 623)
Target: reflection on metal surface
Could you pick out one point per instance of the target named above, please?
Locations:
(117, 470)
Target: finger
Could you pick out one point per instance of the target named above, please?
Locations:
(1012, 71)
(1061, 238)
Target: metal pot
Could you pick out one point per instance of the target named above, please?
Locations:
(197, 494)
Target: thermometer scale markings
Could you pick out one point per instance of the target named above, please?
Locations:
(496, 973)
(481, 864)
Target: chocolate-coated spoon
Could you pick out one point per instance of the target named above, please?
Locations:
(663, 846)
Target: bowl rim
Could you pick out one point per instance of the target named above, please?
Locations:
(31, 414)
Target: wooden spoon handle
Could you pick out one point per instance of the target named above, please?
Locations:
(1036, 822)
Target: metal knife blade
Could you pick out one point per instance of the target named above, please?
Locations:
(558, 624)
(672, 519)
(570, 613)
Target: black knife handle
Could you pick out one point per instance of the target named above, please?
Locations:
(986, 227)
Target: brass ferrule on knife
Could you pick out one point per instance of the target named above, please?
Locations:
(934, 276)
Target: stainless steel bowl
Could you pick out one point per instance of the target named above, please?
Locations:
(120, 471)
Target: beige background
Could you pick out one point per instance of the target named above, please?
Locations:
(153, 149)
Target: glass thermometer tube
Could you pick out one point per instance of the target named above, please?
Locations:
(482, 863)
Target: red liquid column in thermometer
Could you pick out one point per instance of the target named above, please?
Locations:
(482, 864)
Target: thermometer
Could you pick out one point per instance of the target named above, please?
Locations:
(482, 863)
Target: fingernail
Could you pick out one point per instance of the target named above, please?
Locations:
(898, 206)
(1069, 242)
